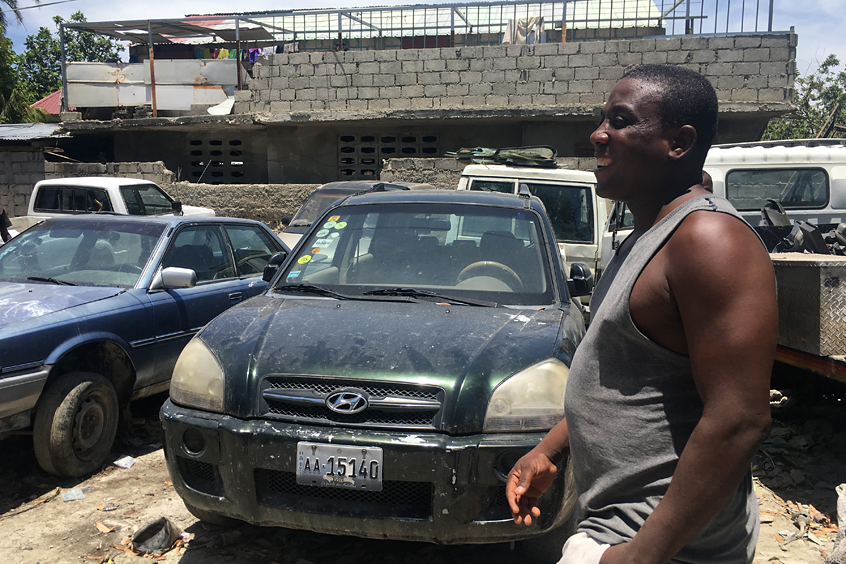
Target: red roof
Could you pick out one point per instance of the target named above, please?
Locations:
(52, 104)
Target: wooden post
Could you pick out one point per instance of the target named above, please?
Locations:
(152, 70)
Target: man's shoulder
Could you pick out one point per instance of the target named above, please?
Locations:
(715, 245)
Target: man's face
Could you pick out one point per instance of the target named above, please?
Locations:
(630, 145)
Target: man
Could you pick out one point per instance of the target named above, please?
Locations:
(668, 393)
(5, 224)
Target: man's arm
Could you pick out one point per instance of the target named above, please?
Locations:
(534, 473)
(722, 281)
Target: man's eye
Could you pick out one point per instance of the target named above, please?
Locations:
(618, 123)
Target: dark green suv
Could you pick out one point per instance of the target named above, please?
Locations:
(410, 350)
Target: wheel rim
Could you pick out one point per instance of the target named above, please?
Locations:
(88, 426)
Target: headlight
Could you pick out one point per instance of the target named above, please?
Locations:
(197, 378)
(531, 400)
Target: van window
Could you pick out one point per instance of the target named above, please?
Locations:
(794, 188)
(493, 186)
(621, 217)
(71, 199)
(570, 210)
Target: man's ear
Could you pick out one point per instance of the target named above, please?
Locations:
(682, 141)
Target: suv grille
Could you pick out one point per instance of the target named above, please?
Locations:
(390, 404)
(397, 500)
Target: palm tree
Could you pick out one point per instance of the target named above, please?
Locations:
(13, 8)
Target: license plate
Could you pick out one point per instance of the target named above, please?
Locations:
(333, 466)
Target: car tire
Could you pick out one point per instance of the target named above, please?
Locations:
(547, 548)
(75, 424)
(211, 517)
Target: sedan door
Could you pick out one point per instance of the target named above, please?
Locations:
(179, 313)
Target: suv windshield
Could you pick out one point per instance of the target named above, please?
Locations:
(315, 205)
(465, 251)
(82, 253)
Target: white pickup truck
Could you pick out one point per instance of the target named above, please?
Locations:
(100, 194)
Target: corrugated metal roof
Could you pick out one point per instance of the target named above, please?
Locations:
(29, 131)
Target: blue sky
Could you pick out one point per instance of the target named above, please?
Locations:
(819, 23)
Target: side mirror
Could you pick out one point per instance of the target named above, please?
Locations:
(173, 277)
(580, 282)
(273, 265)
(286, 220)
(177, 207)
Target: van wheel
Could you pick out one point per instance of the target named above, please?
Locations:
(211, 517)
(547, 548)
(75, 424)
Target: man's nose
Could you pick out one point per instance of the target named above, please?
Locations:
(599, 136)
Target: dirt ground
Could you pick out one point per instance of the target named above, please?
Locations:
(796, 472)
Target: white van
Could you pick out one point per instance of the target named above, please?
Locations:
(569, 196)
(807, 176)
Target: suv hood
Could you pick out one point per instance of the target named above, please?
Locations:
(19, 302)
(465, 350)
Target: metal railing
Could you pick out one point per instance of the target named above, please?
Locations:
(463, 23)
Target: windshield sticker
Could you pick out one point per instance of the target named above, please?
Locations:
(335, 218)
(323, 233)
(305, 259)
(324, 242)
(329, 224)
(334, 235)
(294, 274)
(315, 250)
(340, 225)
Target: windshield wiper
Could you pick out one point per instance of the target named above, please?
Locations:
(415, 293)
(312, 289)
(53, 280)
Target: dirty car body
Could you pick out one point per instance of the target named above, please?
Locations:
(413, 347)
(94, 311)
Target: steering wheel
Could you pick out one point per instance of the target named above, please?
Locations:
(496, 269)
(131, 268)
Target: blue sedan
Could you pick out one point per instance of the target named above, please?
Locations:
(94, 311)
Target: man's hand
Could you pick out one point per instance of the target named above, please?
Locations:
(530, 477)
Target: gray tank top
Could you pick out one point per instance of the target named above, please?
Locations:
(631, 406)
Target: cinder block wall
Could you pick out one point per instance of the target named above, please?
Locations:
(445, 173)
(21, 169)
(268, 203)
(744, 68)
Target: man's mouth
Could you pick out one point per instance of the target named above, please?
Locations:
(603, 162)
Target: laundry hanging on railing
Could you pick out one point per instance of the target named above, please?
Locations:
(524, 31)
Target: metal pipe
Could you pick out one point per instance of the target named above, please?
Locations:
(152, 69)
(238, 52)
(770, 24)
(64, 68)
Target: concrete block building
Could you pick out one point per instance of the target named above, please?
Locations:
(332, 99)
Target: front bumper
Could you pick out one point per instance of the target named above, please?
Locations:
(436, 488)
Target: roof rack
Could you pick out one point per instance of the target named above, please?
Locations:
(826, 142)
(542, 156)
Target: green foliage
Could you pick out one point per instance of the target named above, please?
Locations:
(15, 98)
(13, 7)
(41, 64)
(815, 97)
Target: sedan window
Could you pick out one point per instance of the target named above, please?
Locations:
(467, 251)
(201, 248)
(253, 248)
(84, 253)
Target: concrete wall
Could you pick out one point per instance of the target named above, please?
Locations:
(445, 173)
(21, 169)
(265, 202)
(755, 69)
